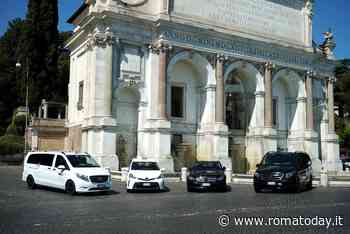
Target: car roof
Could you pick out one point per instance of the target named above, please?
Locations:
(57, 152)
(143, 160)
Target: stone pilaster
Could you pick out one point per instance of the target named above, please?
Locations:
(98, 130)
(330, 96)
(333, 163)
(155, 131)
(309, 101)
(268, 94)
(220, 92)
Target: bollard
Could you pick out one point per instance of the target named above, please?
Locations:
(228, 174)
(184, 174)
(347, 169)
(124, 174)
(324, 178)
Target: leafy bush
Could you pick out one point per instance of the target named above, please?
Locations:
(11, 144)
(19, 123)
(11, 130)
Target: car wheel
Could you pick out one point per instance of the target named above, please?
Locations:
(70, 188)
(223, 188)
(30, 182)
(297, 186)
(189, 189)
(257, 189)
(309, 184)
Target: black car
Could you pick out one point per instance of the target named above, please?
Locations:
(206, 175)
(346, 164)
(283, 171)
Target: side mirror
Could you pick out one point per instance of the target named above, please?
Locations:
(224, 168)
(162, 170)
(258, 165)
(61, 167)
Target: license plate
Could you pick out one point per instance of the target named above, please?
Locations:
(271, 183)
(146, 184)
(101, 185)
(206, 184)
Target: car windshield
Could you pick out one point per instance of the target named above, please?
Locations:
(82, 161)
(279, 160)
(146, 166)
(207, 166)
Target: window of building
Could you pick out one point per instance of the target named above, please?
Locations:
(81, 95)
(177, 101)
(275, 112)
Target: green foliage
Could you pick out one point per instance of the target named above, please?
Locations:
(345, 137)
(10, 144)
(11, 84)
(35, 43)
(342, 88)
(19, 123)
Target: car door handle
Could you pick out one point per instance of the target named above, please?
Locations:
(49, 168)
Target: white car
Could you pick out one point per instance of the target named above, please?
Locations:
(144, 175)
(74, 173)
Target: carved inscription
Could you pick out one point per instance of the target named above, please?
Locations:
(281, 19)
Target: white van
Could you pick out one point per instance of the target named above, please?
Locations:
(74, 173)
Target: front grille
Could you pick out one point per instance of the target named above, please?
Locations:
(99, 179)
(146, 179)
(272, 176)
(153, 185)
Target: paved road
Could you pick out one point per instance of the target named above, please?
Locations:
(51, 211)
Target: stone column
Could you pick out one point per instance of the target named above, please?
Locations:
(268, 94)
(309, 101)
(109, 78)
(330, 94)
(219, 110)
(162, 82)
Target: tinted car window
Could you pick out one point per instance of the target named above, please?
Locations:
(61, 161)
(148, 166)
(33, 159)
(207, 166)
(46, 159)
(279, 159)
(82, 161)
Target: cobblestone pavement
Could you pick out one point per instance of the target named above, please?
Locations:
(176, 211)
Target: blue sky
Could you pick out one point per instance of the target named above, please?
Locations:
(328, 14)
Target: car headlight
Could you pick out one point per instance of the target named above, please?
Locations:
(200, 179)
(131, 176)
(83, 177)
(190, 177)
(221, 177)
(289, 174)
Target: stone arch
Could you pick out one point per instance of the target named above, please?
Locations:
(205, 74)
(289, 95)
(251, 82)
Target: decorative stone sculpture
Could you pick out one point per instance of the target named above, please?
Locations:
(328, 45)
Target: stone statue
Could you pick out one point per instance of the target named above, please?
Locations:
(328, 45)
(309, 8)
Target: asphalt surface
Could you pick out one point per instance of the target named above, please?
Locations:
(176, 211)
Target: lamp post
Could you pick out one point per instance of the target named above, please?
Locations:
(19, 65)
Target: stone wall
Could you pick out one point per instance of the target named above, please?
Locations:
(73, 140)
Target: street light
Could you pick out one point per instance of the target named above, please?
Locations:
(19, 66)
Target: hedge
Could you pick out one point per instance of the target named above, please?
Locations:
(11, 144)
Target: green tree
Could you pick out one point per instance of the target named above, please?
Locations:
(342, 88)
(41, 44)
(11, 79)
